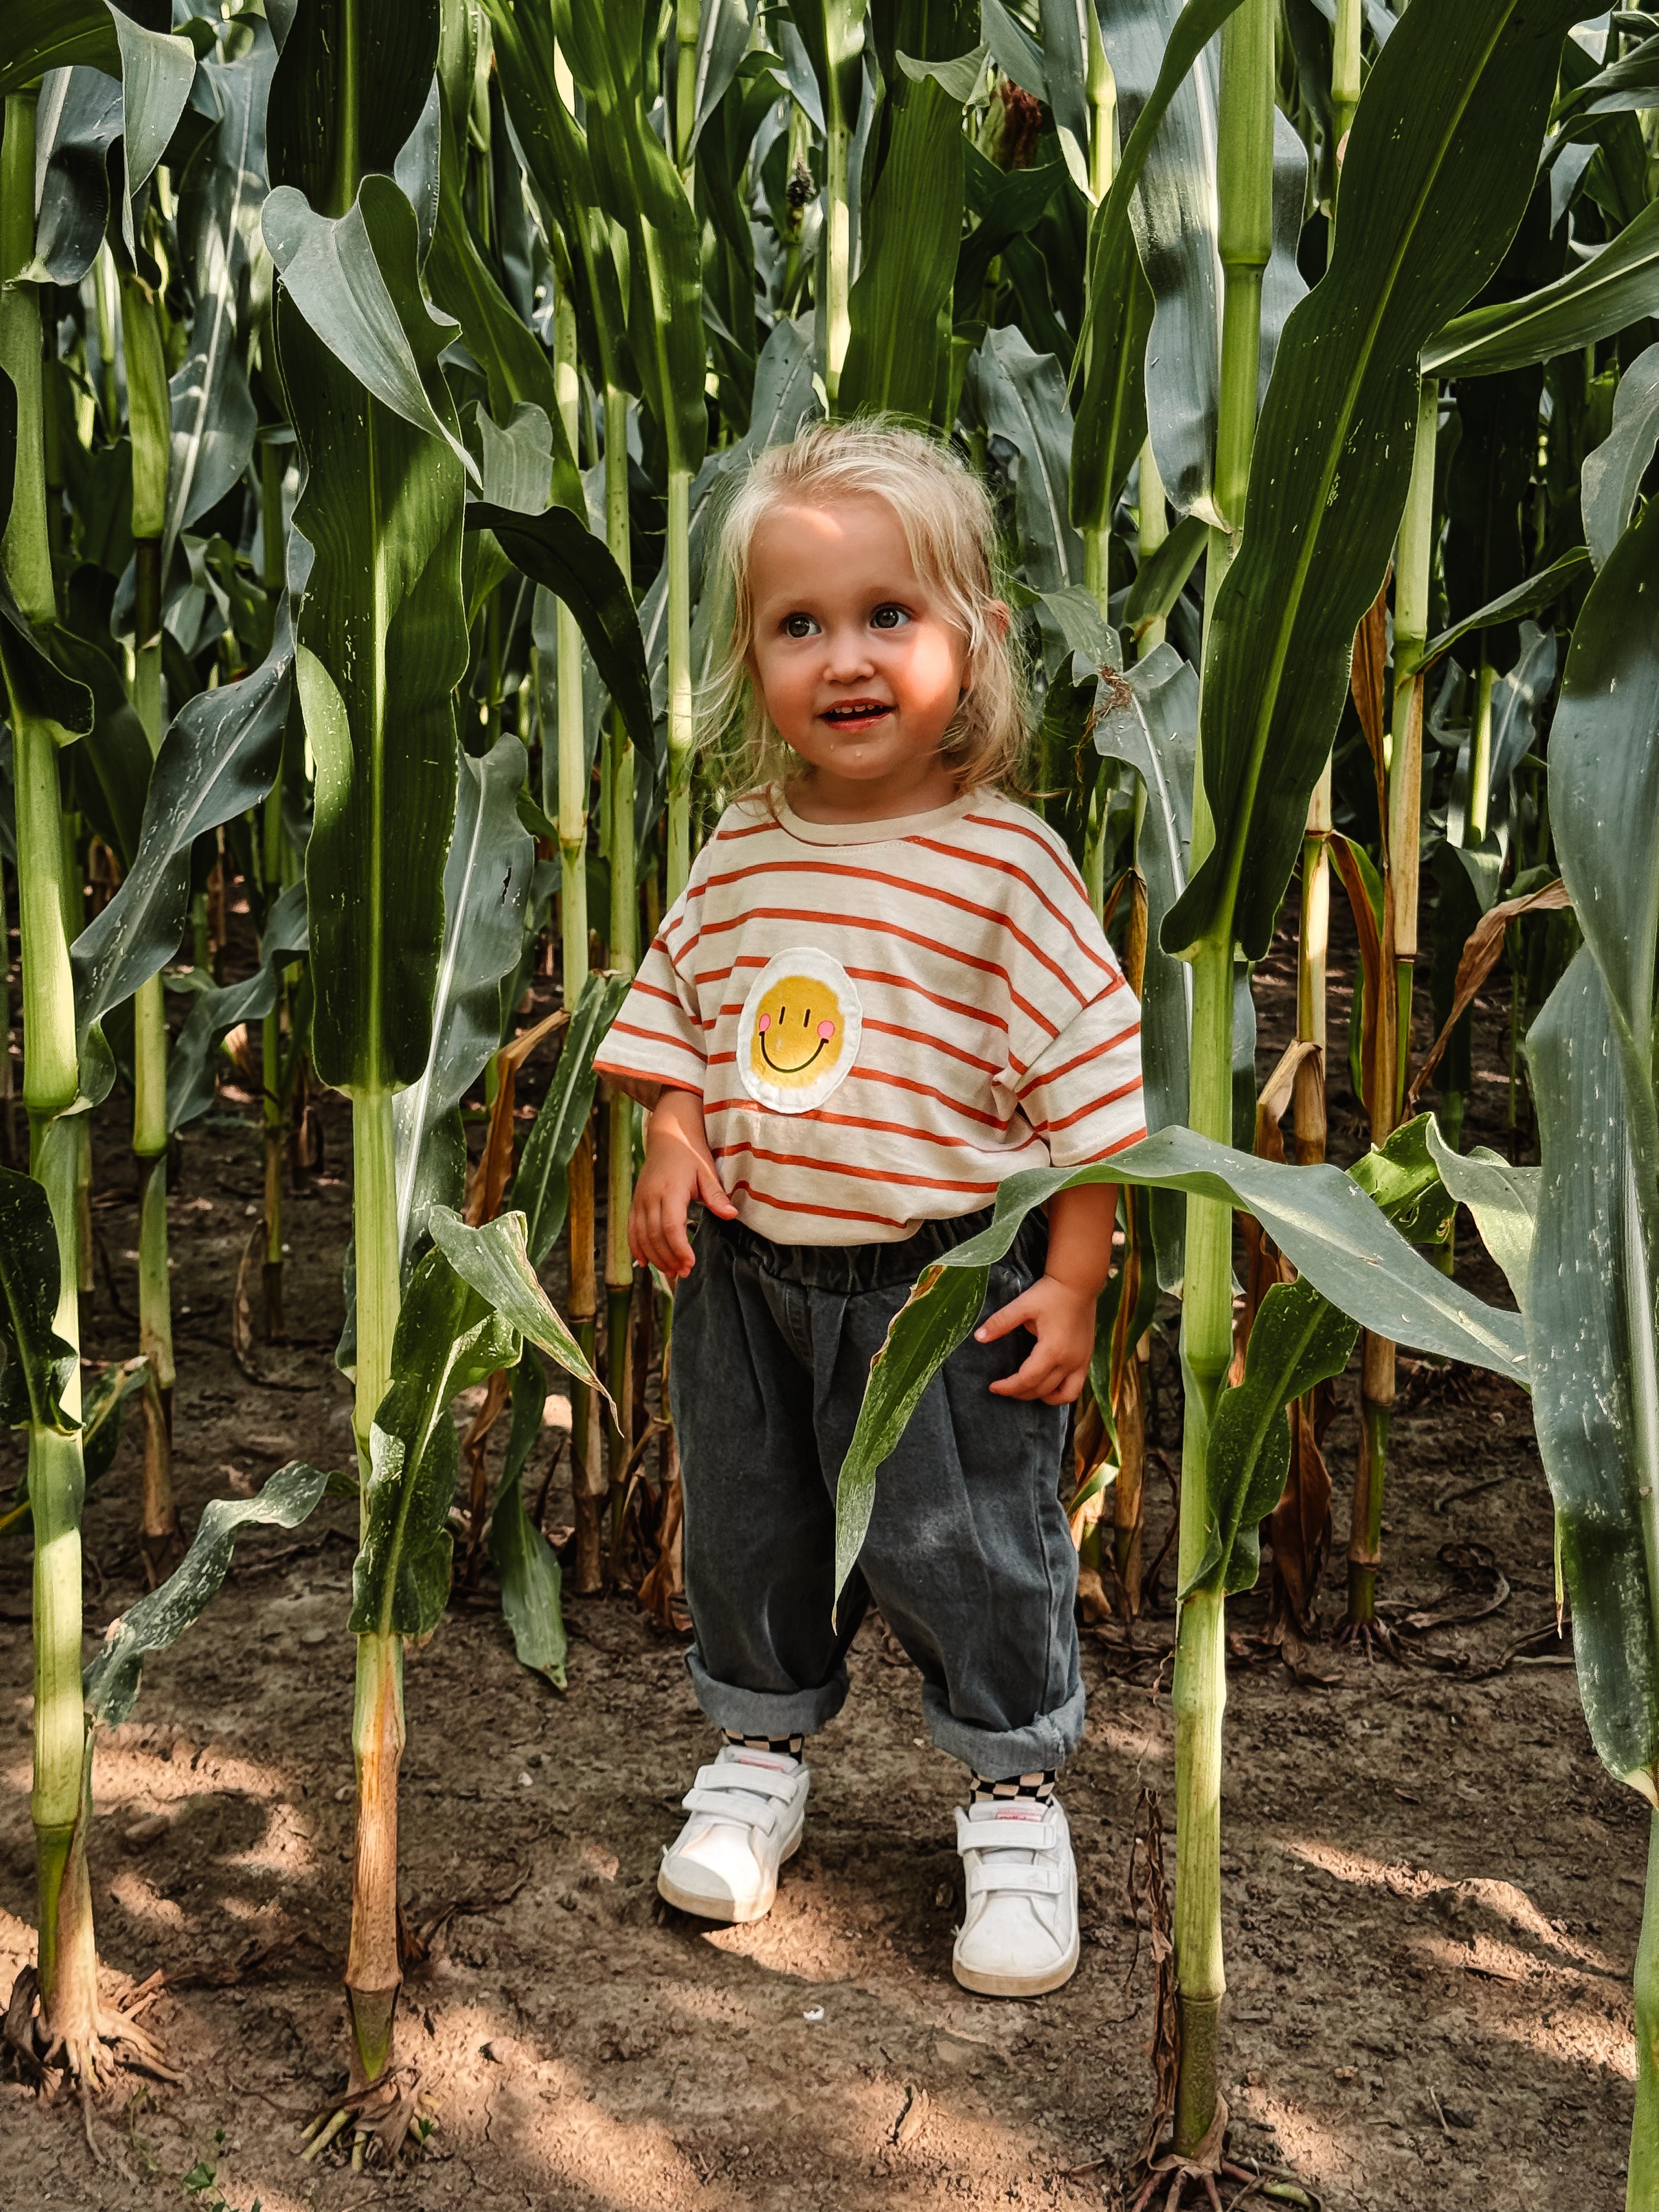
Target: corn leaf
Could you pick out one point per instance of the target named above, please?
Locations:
(59, 34)
(382, 634)
(110, 1684)
(1330, 1232)
(78, 120)
(37, 684)
(522, 1556)
(638, 188)
(190, 1087)
(221, 197)
(1524, 600)
(494, 1261)
(362, 67)
(1612, 473)
(1022, 398)
(219, 757)
(1589, 303)
(1430, 197)
(37, 1364)
(898, 346)
(487, 879)
(540, 1188)
(1298, 1339)
(157, 71)
(1176, 214)
(1503, 1199)
(558, 550)
(1148, 719)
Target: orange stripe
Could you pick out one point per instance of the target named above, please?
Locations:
(822, 1213)
(1123, 1146)
(1083, 1058)
(890, 929)
(911, 885)
(654, 991)
(857, 1175)
(1095, 1106)
(934, 998)
(907, 1129)
(653, 1037)
(610, 1068)
(1040, 835)
(1008, 868)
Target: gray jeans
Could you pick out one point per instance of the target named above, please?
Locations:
(968, 1555)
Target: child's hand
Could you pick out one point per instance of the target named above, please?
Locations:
(1062, 1319)
(679, 1170)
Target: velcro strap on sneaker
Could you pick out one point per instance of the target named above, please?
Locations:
(717, 1806)
(1004, 1834)
(756, 1781)
(1028, 1881)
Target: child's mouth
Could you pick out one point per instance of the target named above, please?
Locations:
(857, 715)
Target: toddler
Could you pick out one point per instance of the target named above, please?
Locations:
(883, 990)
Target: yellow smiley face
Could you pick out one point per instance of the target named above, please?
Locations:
(800, 1031)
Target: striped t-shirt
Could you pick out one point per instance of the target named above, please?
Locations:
(885, 1019)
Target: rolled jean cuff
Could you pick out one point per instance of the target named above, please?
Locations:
(999, 1755)
(771, 1713)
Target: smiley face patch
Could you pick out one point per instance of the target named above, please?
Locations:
(798, 1034)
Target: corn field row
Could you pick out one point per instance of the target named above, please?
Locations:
(372, 371)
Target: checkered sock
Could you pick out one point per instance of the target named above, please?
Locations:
(1040, 1786)
(788, 1745)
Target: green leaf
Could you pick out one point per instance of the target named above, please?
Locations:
(486, 893)
(219, 757)
(1525, 598)
(333, 274)
(638, 188)
(157, 71)
(77, 122)
(29, 658)
(191, 1088)
(1502, 1198)
(1401, 1179)
(723, 32)
(1175, 213)
(1612, 473)
(383, 643)
(494, 1261)
(37, 1365)
(447, 1338)
(899, 304)
(515, 367)
(521, 1556)
(1160, 580)
(1590, 302)
(1147, 718)
(51, 34)
(540, 1189)
(1319, 1218)
(1022, 398)
(352, 82)
(558, 550)
(110, 1684)
(959, 79)
(101, 1402)
(221, 197)
(1298, 1339)
(1590, 1329)
(1431, 194)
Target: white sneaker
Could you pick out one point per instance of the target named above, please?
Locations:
(1019, 1934)
(747, 1810)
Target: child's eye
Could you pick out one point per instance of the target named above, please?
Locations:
(798, 626)
(888, 617)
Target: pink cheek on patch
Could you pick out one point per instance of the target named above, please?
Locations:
(764, 1023)
(826, 1030)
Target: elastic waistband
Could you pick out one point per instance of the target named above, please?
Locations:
(852, 1268)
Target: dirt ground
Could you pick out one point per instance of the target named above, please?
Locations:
(1432, 1898)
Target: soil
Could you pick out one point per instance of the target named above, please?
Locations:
(1433, 1890)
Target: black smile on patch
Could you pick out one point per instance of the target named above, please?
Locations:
(800, 1065)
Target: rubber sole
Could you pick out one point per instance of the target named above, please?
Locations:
(704, 1908)
(1019, 1986)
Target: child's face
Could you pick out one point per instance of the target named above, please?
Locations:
(860, 667)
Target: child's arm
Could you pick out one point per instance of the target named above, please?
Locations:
(1059, 1308)
(678, 1169)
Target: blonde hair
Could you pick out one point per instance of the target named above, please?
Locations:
(950, 524)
